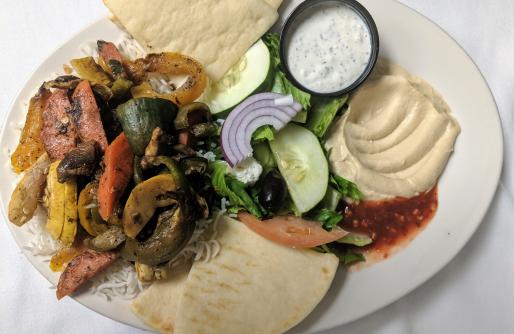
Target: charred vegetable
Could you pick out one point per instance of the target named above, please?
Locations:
(194, 165)
(111, 59)
(160, 144)
(29, 190)
(63, 257)
(80, 161)
(108, 240)
(118, 161)
(139, 117)
(173, 231)
(82, 268)
(168, 64)
(63, 82)
(89, 217)
(273, 192)
(61, 201)
(31, 146)
(88, 69)
(157, 192)
(192, 114)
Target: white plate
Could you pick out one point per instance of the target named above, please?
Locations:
(417, 44)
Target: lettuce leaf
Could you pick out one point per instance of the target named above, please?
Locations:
(346, 188)
(281, 84)
(323, 112)
(355, 239)
(229, 187)
(328, 218)
(265, 132)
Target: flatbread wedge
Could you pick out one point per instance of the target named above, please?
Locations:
(216, 33)
(157, 306)
(253, 285)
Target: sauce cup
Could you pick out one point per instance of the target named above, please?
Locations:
(297, 16)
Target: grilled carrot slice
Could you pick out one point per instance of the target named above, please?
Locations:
(118, 160)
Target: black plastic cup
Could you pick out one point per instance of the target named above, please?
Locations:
(368, 20)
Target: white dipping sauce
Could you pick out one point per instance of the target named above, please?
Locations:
(329, 47)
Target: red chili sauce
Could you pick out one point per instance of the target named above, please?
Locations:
(391, 223)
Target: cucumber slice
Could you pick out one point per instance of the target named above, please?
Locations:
(303, 165)
(252, 74)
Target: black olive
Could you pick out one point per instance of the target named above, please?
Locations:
(273, 191)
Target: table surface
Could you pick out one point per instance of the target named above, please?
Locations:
(472, 294)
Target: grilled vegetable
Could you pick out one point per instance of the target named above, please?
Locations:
(169, 64)
(204, 130)
(89, 218)
(157, 192)
(63, 82)
(87, 115)
(29, 190)
(146, 273)
(82, 160)
(139, 117)
(59, 133)
(174, 229)
(61, 201)
(192, 114)
(31, 146)
(63, 257)
(82, 268)
(108, 240)
(160, 144)
(118, 160)
(111, 59)
(88, 69)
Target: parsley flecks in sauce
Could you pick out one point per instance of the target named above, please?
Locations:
(329, 47)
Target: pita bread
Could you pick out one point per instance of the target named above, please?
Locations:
(274, 3)
(157, 305)
(216, 33)
(253, 285)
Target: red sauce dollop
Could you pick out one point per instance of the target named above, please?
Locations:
(391, 223)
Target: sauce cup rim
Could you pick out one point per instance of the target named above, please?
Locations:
(375, 44)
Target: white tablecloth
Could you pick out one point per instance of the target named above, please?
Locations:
(473, 294)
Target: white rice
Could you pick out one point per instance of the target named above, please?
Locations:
(120, 280)
(130, 48)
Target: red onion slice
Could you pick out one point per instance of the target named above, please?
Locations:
(271, 109)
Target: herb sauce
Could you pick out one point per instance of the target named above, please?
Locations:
(329, 47)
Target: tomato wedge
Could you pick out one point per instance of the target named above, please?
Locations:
(292, 231)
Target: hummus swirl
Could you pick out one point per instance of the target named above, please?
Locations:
(396, 137)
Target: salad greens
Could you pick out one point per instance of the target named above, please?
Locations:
(328, 218)
(355, 240)
(318, 115)
(323, 112)
(281, 84)
(346, 188)
(234, 190)
(265, 132)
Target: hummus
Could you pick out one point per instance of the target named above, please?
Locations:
(396, 137)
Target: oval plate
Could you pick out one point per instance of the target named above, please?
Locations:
(414, 42)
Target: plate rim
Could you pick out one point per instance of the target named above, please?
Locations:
(491, 192)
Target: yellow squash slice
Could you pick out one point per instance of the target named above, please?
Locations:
(61, 201)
